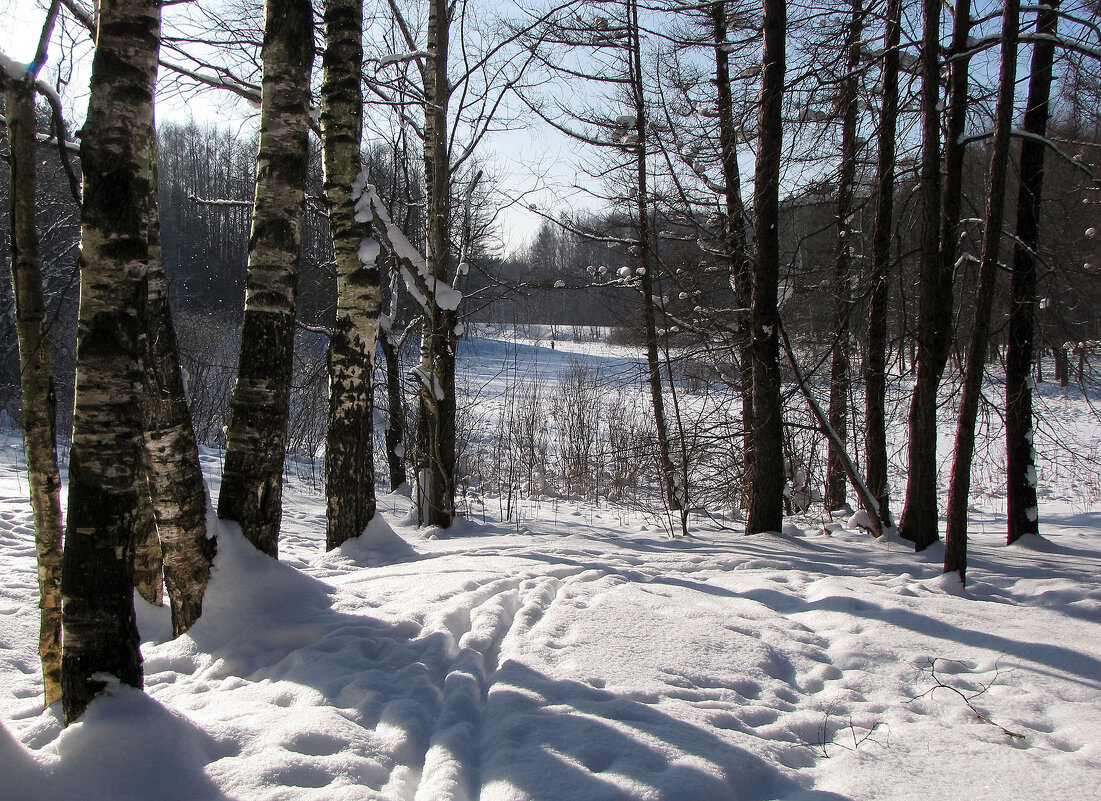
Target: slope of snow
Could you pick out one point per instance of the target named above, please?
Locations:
(581, 659)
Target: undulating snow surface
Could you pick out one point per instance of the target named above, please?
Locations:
(581, 654)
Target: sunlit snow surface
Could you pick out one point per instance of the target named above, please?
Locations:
(583, 655)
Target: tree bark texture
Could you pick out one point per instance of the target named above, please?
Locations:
(875, 372)
(847, 103)
(175, 480)
(955, 538)
(39, 417)
(349, 456)
(118, 212)
(252, 486)
(766, 502)
(919, 522)
(735, 244)
(1023, 511)
(436, 375)
(148, 559)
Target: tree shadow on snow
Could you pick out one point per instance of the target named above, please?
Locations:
(559, 739)
(401, 696)
(1060, 659)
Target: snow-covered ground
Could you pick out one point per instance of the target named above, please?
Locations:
(581, 654)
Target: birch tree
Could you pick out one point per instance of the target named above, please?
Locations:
(349, 458)
(117, 154)
(252, 487)
(35, 361)
(175, 487)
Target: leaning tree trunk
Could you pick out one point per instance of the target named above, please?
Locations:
(252, 481)
(349, 456)
(875, 370)
(842, 265)
(734, 244)
(436, 375)
(175, 480)
(1023, 510)
(919, 522)
(117, 151)
(955, 538)
(39, 418)
(766, 501)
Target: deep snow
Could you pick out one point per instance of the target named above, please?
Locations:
(582, 655)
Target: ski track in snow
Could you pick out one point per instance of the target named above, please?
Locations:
(582, 656)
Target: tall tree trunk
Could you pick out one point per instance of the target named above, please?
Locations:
(1023, 511)
(39, 413)
(175, 480)
(955, 554)
(735, 244)
(842, 291)
(875, 373)
(436, 485)
(349, 454)
(919, 522)
(117, 154)
(766, 502)
(645, 262)
(252, 481)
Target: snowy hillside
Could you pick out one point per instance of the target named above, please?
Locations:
(576, 652)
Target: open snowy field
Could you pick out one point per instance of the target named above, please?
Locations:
(580, 653)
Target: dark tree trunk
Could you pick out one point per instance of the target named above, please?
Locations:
(99, 634)
(349, 441)
(875, 372)
(919, 522)
(436, 482)
(395, 403)
(252, 480)
(36, 381)
(735, 244)
(955, 554)
(842, 265)
(646, 262)
(766, 502)
(1021, 477)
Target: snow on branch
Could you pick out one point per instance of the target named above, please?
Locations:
(401, 58)
(426, 290)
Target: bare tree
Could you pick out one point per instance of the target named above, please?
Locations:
(252, 487)
(919, 517)
(840, 374)
(35, 362)
(349, 457)
(955, 554)
(875, 372)
(766, 501)
(1023, 511)
(117, 153)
